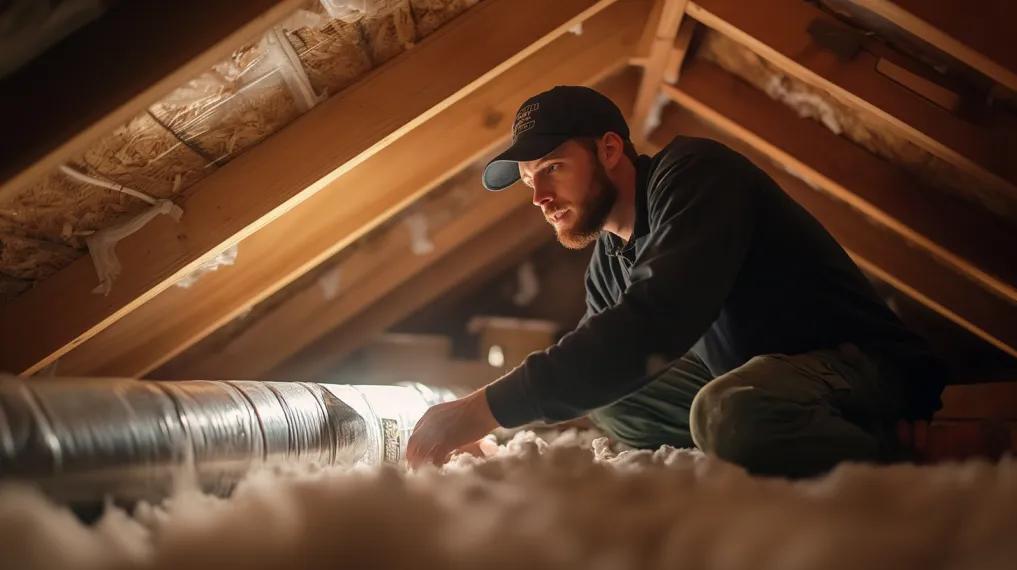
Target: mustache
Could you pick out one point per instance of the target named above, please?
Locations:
(552, 210)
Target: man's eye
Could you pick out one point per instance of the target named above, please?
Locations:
(552, 168)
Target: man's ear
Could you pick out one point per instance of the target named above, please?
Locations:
(611, 149)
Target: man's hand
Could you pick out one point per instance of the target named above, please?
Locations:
(448, 427)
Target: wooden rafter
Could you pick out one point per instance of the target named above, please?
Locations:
(867, 201)
(978, 34)
(496, 249)
(366, 278)
(875, 187)
(778, 32)
(355, 203)
(284, 170)
(675, 59)
(665, 28)
(112, 69)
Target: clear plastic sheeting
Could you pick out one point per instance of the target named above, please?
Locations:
(102, 244)
(226, 258)
(83, 440)
(238, 102)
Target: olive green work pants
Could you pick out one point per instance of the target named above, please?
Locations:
(788, 415)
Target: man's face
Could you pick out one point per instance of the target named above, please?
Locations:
(572, 189)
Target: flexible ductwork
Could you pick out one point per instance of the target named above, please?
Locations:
(83, 440)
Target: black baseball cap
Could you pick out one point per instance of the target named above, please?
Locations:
(547, 120)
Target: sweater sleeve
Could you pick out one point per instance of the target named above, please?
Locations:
(701, 222)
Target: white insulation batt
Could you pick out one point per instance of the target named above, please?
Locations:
(569, 504)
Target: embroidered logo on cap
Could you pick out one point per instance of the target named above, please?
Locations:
(524, 120)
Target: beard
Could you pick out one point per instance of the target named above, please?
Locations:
(591, 213)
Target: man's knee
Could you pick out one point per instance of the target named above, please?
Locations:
(725, 418)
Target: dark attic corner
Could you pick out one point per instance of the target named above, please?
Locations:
(507, 283)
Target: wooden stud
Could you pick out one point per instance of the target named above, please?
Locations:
(270, 179)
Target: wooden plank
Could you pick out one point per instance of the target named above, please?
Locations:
(978, 34)
(906, 259)
(284, 170)
(675, 60)
(341, 213)
(778, 32)
(364, 279)
(932, 91)
(666, 28)
(962, 237)
(497, 249)
(110, 70)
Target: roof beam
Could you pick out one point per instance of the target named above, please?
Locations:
(268, 180)
(665, 28)
(778, 32)
(89, 84)
(978, 34)
(920, 248)
(365, 278)
(498, 248)
(357, 202)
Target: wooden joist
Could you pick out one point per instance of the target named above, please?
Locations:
(104, 74)
(778, 32)
(869, 206)
(357, 202)
(284, 170)
(979, 33)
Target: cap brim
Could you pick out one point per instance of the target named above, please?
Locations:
(503, 170)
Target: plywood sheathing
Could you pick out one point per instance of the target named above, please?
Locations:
(333, 54)
(204, 122)
(851, 122)
(390, 29)
(431, 14)
(44, 225)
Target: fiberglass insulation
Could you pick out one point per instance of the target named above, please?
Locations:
(533, 505)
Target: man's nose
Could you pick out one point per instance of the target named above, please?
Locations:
(541, 194)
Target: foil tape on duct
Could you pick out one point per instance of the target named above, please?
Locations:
(82, 440)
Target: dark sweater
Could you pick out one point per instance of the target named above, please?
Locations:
(721, 262)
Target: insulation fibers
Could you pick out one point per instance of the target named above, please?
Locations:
(861, 127)
(333, 52)
(556, 502)
(432, 14)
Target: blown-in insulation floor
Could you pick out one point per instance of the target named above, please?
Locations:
(569, 504)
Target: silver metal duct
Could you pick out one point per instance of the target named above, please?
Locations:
(82, 440)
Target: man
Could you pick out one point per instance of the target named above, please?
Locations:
(782, 357)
